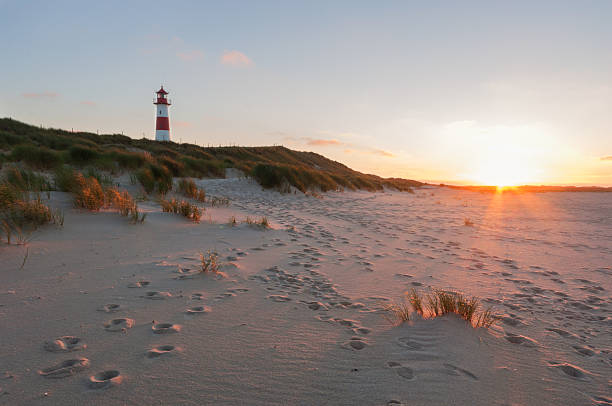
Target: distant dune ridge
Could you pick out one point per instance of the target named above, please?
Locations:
(272, 167)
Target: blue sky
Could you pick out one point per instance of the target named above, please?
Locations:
(445, 91)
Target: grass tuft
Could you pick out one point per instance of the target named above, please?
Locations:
(182, 207)
(261, 223)
(21, 214)
(232, 221)
(439, 303)
(209, 262)
(188, 188)
(397, 313)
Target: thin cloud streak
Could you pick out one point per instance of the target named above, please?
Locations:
(192, 55)
(606, 158)
(320, 142)
(43, 95)
(235, 58)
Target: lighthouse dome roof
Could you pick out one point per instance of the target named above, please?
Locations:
(161, 91)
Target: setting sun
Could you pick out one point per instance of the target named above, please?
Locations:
(501, 172)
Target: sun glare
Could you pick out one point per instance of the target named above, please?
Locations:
(503, 172)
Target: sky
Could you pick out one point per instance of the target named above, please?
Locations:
(478, 92)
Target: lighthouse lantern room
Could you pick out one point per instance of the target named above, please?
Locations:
(162, 124)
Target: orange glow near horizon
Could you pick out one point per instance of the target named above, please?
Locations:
(503, 172)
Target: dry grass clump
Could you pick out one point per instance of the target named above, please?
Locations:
(232, 221)
(397, 313)
(20, 214)
(91, 195)
(182, 207)
(262, 223)
(219, 201)
(188, 188)
(88, 193)
(468, 222)
(209, 262)
(124, 203)
(439, 303)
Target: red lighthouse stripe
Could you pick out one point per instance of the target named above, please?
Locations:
(162, 123)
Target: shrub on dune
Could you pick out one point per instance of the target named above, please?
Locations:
(36, 157)
(88, 193)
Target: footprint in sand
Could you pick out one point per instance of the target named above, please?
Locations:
(139, 284)
(110, 308)
(455, 370)
(119, 324)
(64, 344)
(355, 343)
(65, 368)
(279, 298)
(584, 350)
(570, 370)
(224, 295)
(561, 332)
(161, 350)
(165, 328)
(198, 310)
(105, 379)
(402, 371)
(522, 340)
(155, 295)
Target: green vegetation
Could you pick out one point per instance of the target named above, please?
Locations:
(156, 163)
(439, 303)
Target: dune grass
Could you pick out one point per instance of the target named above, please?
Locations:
(89, 194)
(261, 223)
(232, 221)
(438, 303)
(21, 207)
(209, 262)
(188, 188)
(156, 163)
(468, 222)
(182, 207)
(397, 313)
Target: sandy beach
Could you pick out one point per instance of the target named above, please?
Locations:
(296, 317)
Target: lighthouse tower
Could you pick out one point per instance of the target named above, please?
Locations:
(162, 125)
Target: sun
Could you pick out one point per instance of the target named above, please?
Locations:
(502, 172)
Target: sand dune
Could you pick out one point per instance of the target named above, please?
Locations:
(119, 314)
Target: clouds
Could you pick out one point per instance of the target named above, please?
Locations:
(191, 55)
(606, 158)
(43, 95)
(88, 103)
(348, 148)
(235, 58)
(320, 142)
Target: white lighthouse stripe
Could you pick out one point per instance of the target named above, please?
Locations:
(162, 110)
(162, 135)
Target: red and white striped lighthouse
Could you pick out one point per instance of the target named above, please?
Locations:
(162, 125)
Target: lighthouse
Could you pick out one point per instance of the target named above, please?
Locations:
(162, 124)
